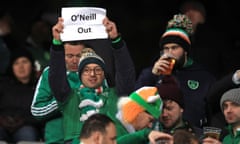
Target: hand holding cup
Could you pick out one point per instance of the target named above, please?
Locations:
(164, 65)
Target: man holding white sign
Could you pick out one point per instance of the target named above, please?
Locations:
(85, 23)
(124, 67)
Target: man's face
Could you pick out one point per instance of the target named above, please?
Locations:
(177, 52)
(110, 136)
(72, 56)
(92, 76)
(143, 120)
(231, 112)
(171, 115)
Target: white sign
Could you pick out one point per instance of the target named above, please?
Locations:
(83, 23)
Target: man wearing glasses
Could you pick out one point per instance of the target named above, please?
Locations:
(91, 73)
(93, 81)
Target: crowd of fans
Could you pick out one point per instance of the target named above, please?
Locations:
(145, 105)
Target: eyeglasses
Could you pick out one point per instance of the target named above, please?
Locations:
(96, 70)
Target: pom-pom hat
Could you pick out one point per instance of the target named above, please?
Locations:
(178, 31)
(143, 99)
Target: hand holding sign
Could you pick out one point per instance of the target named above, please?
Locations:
(111, 28)
(57, 29)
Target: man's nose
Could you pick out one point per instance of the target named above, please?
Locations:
(75, 59)
(228, 109)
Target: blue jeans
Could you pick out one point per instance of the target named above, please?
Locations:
(25, 133)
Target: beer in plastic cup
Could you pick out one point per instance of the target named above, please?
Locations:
(169, 69)
(212, 132)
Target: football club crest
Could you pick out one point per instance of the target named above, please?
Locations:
(192, 84)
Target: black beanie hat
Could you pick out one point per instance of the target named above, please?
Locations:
(178, 30)
(170, 90)
(89, 57)
(15, 54)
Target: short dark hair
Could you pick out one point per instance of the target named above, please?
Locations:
(75, 42)
(182, 136)
(96, 122)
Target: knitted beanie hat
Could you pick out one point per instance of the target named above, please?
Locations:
(89, 56)
(144, 99)
(178, 30)
(21, 53)
(232, 95)
(170, 90)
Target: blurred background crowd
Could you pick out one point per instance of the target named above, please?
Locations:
(141, 23)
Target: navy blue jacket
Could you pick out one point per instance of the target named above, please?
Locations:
(195, 105)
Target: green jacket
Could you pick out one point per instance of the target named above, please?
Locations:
(124, 136)
(231, 138)
(69, 99)
(44, 107)
(138, 137)
(72, 113)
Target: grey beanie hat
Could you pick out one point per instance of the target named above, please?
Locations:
(231, 95)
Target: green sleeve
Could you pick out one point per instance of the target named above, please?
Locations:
(44, 105)
(139, 137)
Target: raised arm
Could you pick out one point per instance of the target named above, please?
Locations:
(125, 70)
(57, 71)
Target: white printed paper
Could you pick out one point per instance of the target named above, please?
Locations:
(83, 23)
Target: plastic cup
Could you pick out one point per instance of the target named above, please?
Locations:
(213, 132)
(169, 69)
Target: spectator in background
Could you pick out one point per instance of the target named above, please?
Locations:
(172, 119)
(5, 49)
(193, 79)
(5, 58)
(216, 117)
(184, 137)
(38, 43)
(209, 44)
(44, 105)
(99, 129)
(16, 94)
(230, 106)
(135, 117)
(195, 10)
